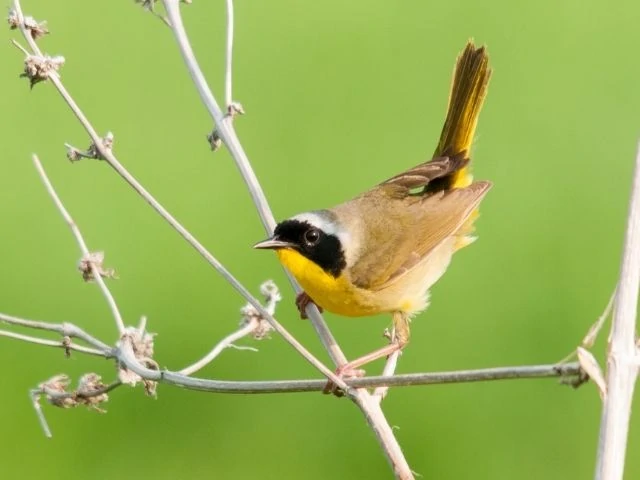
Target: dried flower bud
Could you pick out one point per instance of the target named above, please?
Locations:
(87, 386)
(271, 294)
(215, 142)
(234, 109)
(13, 19)
(66, 344)
(142, 344)
(38, 68)
(251, 315)
(147, 4)
(58, 384)
(36, 29)
(91, 261)
(73, 154)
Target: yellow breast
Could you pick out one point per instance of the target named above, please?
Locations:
(335, 294)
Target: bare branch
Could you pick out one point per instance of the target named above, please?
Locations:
(622, 360)
(228, 84)
(90, 392)
(66, 345)
(388, 371)
(115, 164)
(87, 257)
(226, 342)
(127, 357)
(225, 132)
(252, 324)
(64, 329)
(34, 395)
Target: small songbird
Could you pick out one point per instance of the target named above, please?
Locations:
(381, 251)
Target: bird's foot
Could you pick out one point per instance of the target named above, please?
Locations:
(302, 301)
(343, 372)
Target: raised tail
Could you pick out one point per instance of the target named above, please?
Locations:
(468, 89)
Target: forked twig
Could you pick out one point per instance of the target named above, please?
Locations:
(108, 156)
(226, 342)
(181, 379)
(67, 346)
(96, 270)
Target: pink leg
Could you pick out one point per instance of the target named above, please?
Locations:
(401, 325)
(351, 370)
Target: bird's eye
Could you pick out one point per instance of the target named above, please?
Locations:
(312, 236)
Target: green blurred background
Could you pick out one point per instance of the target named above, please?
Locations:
(339, 95)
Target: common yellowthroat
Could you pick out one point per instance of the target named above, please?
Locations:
(381, 251)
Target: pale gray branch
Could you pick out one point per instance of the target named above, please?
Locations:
(127, 357)
(64, 329)
(55, 343)
(622, 363)
(124, 355)
(228, 82)
(226, 342)
(108, 156)
(225, 131)
(86, 255)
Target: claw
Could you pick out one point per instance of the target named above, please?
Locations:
(302, 301)
(345, 371)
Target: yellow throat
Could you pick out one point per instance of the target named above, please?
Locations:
(335, 294)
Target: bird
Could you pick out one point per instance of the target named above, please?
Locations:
(382, 251)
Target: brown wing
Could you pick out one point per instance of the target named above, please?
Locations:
(405, 225)
(425, 175)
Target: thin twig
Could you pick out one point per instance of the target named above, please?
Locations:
(95, 270)
(226, 132)
(78, 394)
(228, 83)
(127, 357)
(34, 395)
(280, 386)
(622, 359)
(108, 156)
(64, 329)
(58, 398)
(593, 332)
(388, 371)
(55, 343)
(226, 342)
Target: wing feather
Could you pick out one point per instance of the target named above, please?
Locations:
(405, 227)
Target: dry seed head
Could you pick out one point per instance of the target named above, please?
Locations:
(38, 68)
(58, 384)
(94, 260)
(87, 386)
(250, 314)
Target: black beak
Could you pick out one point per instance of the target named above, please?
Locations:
(273, 244)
